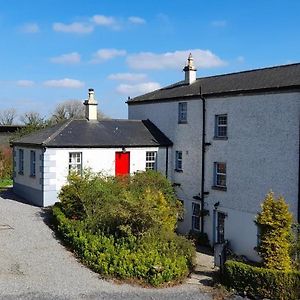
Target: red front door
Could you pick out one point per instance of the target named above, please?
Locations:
(122, 163)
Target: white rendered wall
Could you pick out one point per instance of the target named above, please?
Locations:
(25, 178)
(261, 153)
(186, 138)
(98, 159)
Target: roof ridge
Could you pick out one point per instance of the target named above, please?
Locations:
(57, 132)
(249, 71)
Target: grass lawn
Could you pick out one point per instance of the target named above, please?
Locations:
(5, 183)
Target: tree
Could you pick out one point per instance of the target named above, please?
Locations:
(7, 116)
(32, 118)
(70, 109)
(275, 227)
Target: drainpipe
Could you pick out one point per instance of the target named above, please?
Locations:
(299, 179)
(202, 158)
(167, 160)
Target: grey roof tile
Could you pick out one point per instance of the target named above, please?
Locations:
(104, 133)
(273, 78)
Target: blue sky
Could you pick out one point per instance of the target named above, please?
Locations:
(54, 50)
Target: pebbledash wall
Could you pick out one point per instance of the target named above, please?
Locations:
(53, 168)
(261, 153)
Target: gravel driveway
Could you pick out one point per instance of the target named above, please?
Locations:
(34, 265)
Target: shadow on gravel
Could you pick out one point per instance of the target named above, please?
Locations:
(8, 194)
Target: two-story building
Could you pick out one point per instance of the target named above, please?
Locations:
(235, 138)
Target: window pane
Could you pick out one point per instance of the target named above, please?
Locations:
(221, 168)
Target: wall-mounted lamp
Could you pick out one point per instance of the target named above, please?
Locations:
(216, 205)
(123, 150)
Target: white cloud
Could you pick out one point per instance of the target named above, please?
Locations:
(136, 20)
(65, 83)
(173, 60)
(110, 22)
(30, 28)
(240, 59)
(106, 54)
(76, 27)
(25, 83)
(128, 76)
(136, 89)
(69, 58)
(219, 23)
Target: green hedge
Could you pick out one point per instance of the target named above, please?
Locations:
(261, 282)
(151, 259)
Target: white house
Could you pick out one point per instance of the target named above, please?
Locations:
(43, 160)
(235, 137)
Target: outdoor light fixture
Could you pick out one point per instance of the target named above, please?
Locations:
(123, 150)
(216, 205)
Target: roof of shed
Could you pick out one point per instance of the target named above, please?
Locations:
(97, 134)
(272, 78)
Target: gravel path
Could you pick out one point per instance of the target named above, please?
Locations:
(34, 265)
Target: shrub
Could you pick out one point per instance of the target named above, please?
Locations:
(261, 282)
(200, 238)
(154, 258)
(274, 222)
(5, 163)
(121, 206)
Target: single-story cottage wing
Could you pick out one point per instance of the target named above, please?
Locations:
(43, 160)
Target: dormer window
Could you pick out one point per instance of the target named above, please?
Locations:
(182, 112)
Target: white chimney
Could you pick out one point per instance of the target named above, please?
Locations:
(190, 71)
(91, 106)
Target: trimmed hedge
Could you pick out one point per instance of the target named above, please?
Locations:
(261, 282)
(152, 259)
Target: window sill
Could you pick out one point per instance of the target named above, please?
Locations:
(21, 173)
(179, 171)
(32, 176)
(224, 138)
(219, 188)
(182, 122)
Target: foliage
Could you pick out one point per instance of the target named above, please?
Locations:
(7, 116)
(32, 118)
(5, 163)
(5, 183)
(154, 258)
(121, 205)
(274, 222)
(200, 238)
(70, 109)
(262, 282)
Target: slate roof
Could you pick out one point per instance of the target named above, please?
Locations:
(97, 134)
(266, 79)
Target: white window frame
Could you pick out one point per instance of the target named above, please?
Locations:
(32, 163)
(182, 112)
(178, 161)
(21, 161)
(75, 162)
(218, 174)
(151, 160)
(221, 127)
(196, 222)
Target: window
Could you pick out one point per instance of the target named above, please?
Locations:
(75, 162)
(196, 216)
(32, 163)
(221, 126)
(151, 160)
(21, 161)
(220, 175)
(182, 112)
(178, 161)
